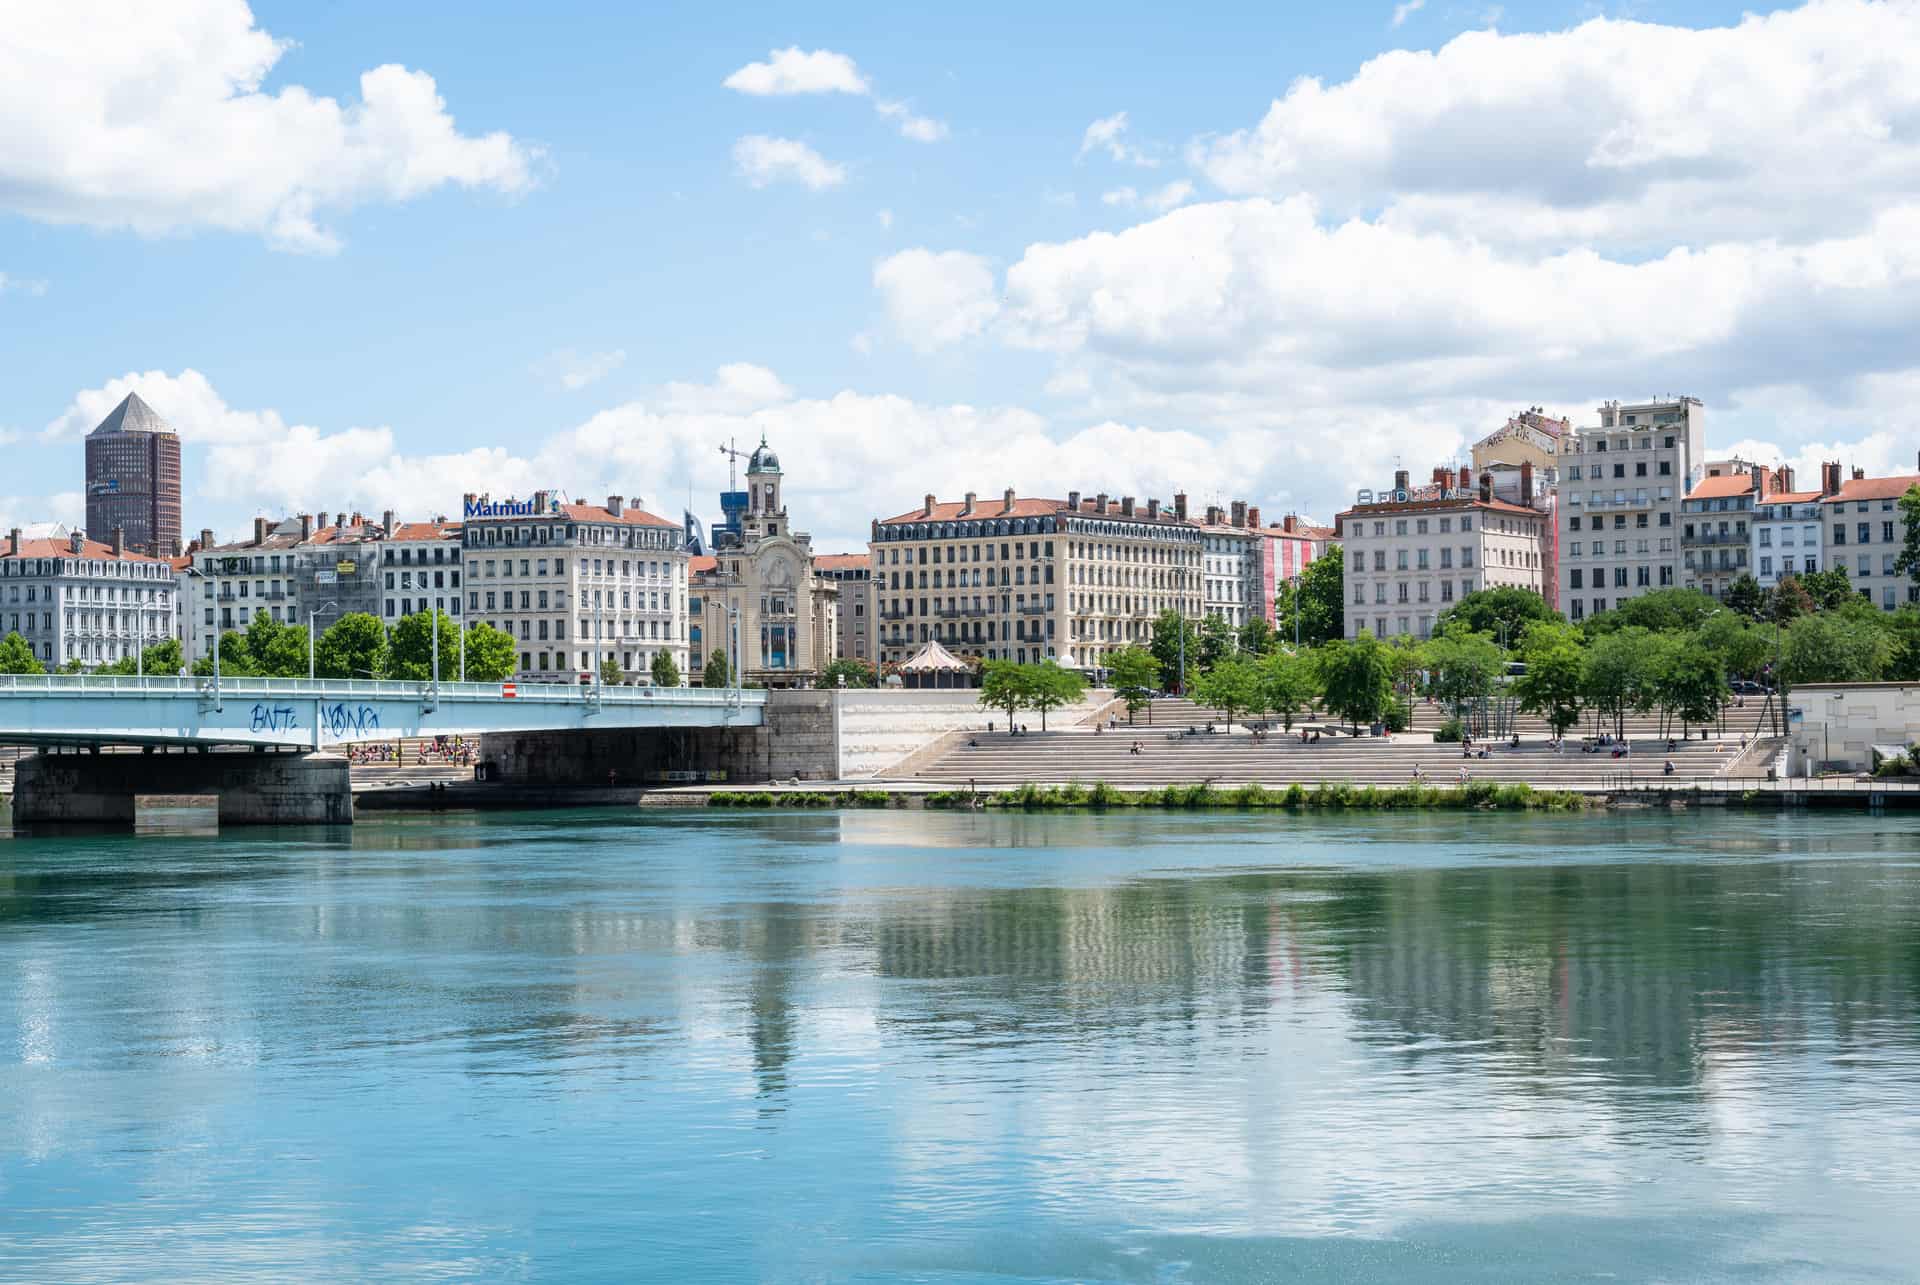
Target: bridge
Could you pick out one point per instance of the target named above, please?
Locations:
(313, 714)
(302, 718)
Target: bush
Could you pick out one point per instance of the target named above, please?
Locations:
(1450, 731)
(1395, 718)
(1895, 765)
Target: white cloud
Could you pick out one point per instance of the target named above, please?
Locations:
(18, 285)
(1122, 196)
(921, 129)
(43, 516)
(762, 160)
(164, 128)
(1105, 135)
(1173, 195)
(1401, 12)
(935, 299)
(1789, 125)
(886, 220)
(795, 71)
(575, 370)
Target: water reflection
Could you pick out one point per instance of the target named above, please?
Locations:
(830, 1043)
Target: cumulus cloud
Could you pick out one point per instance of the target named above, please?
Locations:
(1107, 135)
(1173, 195)
(1790, 125)
(762, 160)
(936, 298)
(575, 370)
(1401, 12)
(164, 128)
(796, 71)
(921, 129)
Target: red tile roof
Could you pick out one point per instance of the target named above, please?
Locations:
(1723, 487)
(1450, 503)
(842, 562)
(426, 531)
(996, 507)
(629, 516)
(55, 548)
(702, 563)
(1874, 488)
(1790, 497)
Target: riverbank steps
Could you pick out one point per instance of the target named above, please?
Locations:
(1483, 795)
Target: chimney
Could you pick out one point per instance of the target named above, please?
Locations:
(306, 527)
(1240, 513)
(1466, 478)
(616, 504)
(1153, 509)
(1759, 474)
(13, 543)
(206, 537)
(1526, 483)
(928, 511)
(1100, 502)
(1213, 515)
(259, 531)
(966, 510)
(1253, 517)
(540, 503)
(119, 541)
(1073, 500)
(1180, 506)
(1858, 473)
(1008, 501)
(77, 542)
(1829, 478)
(1290, 523)
(1126, 506)
(1486, 487)
(386, 522)
(339, 521)
(1399, 479)
(358, 520)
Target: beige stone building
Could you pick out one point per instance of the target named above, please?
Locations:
(853, 573)
(1034, 579)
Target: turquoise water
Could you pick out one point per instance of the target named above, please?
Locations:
(906, 1046)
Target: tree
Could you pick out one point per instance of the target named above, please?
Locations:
(1788, 601)
(1309, 607)
(716, 673)
(1743, 650)
(1257, 637)
(1287, 684)
(410, 649)
(1485, 610)
(611, 675)
(161, 658)
(1662, 611)
(1747, 597)
(1356, 676)
(665, 672)
(354, 646)
(489, 654)
(236, 658)
(1003, 685)
(1464, 665)
(857, 673)
(1903, 633)
(1135, 675)
(1049, 687)
(16, 656)
(1216, 642)
(1828, 588)
(1690, 683)
(1845, 646)
(1169, 629)
(1555, 665)
(1231, 686)
(1617, 677)
(285, 655)
(1908, 560)
(72, 665)
(261, 633)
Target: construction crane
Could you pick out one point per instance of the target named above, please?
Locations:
(734, 456)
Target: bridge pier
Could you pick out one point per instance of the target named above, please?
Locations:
(253, 788)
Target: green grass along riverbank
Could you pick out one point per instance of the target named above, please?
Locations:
(1477, 795)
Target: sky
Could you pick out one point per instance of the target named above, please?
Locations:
(367, 256)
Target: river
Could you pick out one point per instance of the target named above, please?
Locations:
(914, 1046)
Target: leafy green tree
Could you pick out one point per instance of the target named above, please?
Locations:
(666, 673)
(1743, 650)
(1317, 597)
(286, 654)
(236, 658)
(411, 646)
(162, 658)
(611, 675)
(857, 673)
(1169, 629)
(261, 633)
(1231, 686)
(1908, 561)
(1903, 633)
(1617, 677)
(1555, 663)
(354, 646)
(1135, 675)
(72, 666)
(1464, 665)
(1484, 611)
(1788, 601)
(1288, 684)
(1216, 643)
(16, 656)
(1829, 588)
(489, 654)
(1662, 611)
(1746, 596)
(1049, 687)
(1356, 677)
(1689, 682)
(1852, 645)
(716, 673)
(1257, 637)
(1004, 685)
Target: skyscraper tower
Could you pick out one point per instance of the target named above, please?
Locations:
(133, 479)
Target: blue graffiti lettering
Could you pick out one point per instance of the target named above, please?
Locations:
(343, 720)
(273, 718)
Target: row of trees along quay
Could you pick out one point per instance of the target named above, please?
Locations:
(1674, 651)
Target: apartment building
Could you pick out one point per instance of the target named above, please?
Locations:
(300, 570)
(1786, 533)
(420, 568)
(853, 573)
(1621, 487)
(576, 583)
(1864, 533)
(71, 598)
(1033, 579)
(1409, 559)
(1230, 564)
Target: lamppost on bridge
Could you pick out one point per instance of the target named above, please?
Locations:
(213, 582)
(313, 625)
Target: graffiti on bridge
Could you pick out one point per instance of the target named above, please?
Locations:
(344, 721)
(273, 718)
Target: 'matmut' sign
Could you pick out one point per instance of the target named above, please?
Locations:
(483, 508)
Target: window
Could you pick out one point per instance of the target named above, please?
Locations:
(1574, 580)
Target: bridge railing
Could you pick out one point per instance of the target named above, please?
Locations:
(41, 685)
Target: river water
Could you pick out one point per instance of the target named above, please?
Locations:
(905, 1046)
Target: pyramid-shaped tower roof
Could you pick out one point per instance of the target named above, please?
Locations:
(132, 415)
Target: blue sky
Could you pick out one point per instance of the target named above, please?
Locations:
(572, 274)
